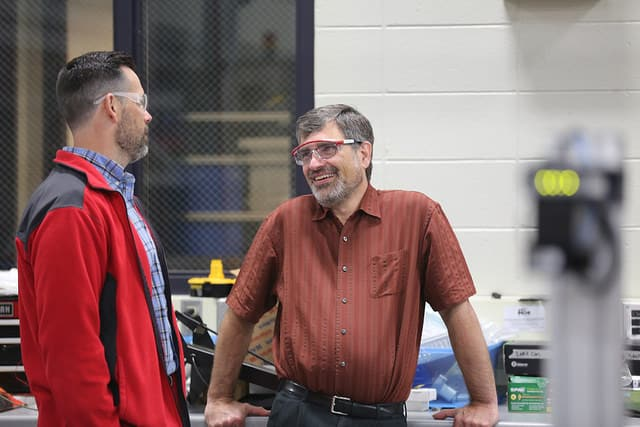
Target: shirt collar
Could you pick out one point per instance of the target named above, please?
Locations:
(119, 179)
(369, 204)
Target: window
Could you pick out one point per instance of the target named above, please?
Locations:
(221, 82)
(38, 37)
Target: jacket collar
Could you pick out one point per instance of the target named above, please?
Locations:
(77, 163)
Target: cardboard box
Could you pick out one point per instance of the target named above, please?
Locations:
(528, 394)
(262, 338)
(530, 358)
(526, 358)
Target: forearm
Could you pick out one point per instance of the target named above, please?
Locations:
(471, 352)
(231, 349)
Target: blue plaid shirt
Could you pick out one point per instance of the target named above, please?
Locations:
(123, 182)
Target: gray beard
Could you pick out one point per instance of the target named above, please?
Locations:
(340, 191)
(333, 197)
(142, 151)
(136, 149)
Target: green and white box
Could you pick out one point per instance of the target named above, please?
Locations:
(528, 394)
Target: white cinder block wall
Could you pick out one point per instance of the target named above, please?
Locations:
(465, 96)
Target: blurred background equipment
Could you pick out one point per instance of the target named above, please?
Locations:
(12, 376)
(437, 369)
(579, 198)
(200, 315)
(199, 351)
(217, 284)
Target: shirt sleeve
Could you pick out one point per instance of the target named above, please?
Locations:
(253, 293)
(447, 280)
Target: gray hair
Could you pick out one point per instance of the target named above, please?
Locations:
(350, 121)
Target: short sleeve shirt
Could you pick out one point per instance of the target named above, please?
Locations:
(352, 297)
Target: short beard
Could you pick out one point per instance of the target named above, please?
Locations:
(136, 149)
(333, 198)
(341, 190)
(140, 151)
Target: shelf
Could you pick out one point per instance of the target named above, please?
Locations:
(283, 117)
(15, 340)
(238, 160)
(12, 368)
(262, 144)
(226, 216)
(5, 322)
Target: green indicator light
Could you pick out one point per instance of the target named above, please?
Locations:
(555, 182)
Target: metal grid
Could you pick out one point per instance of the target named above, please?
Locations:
(32, 50)
(221, 82)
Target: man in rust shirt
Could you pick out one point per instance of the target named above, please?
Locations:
(351, 268)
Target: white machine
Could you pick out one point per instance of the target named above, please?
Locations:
(579, 195)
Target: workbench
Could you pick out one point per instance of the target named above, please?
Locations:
(22, 417)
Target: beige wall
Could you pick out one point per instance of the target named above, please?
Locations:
(465, 97)
(90, 26)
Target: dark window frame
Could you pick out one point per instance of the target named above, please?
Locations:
(127, 28)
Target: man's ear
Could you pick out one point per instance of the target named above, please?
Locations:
(109, 106)
(366, 151)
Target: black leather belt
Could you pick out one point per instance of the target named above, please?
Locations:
(343, 405)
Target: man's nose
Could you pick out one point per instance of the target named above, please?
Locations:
(315, 160)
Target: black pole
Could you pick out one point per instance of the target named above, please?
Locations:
(127, 30)
(304, 73)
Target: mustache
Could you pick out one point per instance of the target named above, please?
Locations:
(325, 170)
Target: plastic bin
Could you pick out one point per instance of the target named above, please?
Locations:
(214, 240)
(214, 188)
(437, 368)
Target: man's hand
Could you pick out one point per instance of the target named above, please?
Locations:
(472, 415)
(470, 350)
(230, 413)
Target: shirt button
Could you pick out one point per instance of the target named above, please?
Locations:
(343, 364)
(344, 268)
(343, 331)
(345, 239)
(344, 300)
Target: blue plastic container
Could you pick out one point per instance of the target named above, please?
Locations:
(214, 188)
(437, 368)
(214, 240)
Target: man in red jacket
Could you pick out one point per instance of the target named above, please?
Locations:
(98, 335)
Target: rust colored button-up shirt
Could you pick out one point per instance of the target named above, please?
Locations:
(352, 296)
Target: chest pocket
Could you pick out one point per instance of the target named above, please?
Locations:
(388, 273)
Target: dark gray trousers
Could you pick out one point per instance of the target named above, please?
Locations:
(289, 410)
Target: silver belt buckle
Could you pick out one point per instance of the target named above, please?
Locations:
(333, 404)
